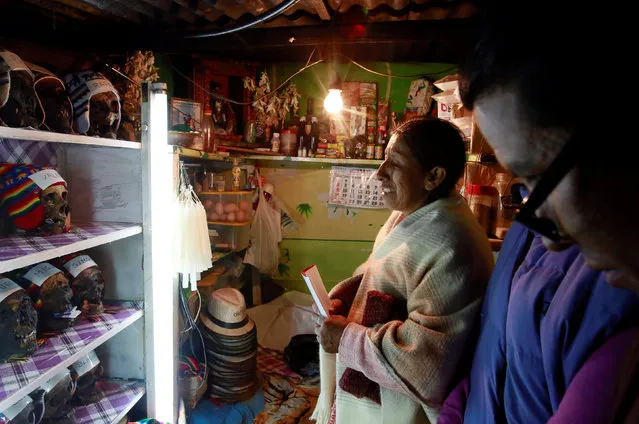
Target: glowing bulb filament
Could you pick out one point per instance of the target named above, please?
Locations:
(333, 102)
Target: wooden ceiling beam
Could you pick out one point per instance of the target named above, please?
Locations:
(138, 6)
(201, 9)
(321, 9)
(60, 8)
(108, 7)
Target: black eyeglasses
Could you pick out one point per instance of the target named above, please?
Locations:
(549, 180)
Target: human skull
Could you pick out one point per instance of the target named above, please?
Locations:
(56, 296)
(88, 291)
(20, 109)
(56, 208)
(104, 115)
(18, 323)
(56, 107)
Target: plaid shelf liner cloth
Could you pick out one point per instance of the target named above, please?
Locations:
(271, 361)
(23, 244)
(58, 347)
(38, 153)
(118, 397)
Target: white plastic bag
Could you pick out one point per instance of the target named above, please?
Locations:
(265, 235)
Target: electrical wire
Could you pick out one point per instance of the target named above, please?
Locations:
(193, 326)
(268, 15)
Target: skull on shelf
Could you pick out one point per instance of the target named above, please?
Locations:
(56, 208)
(34, 198)
(18, 321)
(17, 96)
(96, 104)
(49, 289)
(54, 111)
(87, 282)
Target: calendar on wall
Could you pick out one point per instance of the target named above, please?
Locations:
(355, 188)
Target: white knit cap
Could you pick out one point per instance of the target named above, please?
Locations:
(82, 86)
(9, 62)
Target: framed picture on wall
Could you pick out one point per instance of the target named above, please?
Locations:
(186, 112)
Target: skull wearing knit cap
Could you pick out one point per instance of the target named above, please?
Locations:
(34, 198)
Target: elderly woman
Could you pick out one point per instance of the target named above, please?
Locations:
(399, 326)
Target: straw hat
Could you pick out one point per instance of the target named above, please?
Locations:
(227, 313)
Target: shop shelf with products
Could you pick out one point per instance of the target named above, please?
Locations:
(109, 186)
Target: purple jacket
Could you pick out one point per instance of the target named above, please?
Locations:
(544, 316)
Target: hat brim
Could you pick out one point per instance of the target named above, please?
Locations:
(235, 332)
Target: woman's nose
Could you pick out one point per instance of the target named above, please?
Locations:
(381, 172)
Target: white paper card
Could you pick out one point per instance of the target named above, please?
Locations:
(7, 288)
(46, 178)
(13, 411)
(48, 385)
(86, 364)
(315, 285)
(40, 273)
(78, 264)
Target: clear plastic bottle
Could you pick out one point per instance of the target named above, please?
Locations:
(502, 221)
(208, 133)
(237, 173)
(275, 143)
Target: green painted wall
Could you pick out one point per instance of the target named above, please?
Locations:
(337, 240)
(314, 81)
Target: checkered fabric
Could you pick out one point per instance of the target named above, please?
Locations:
(271, 361)
(21, 244)
(118, 397)
(37, 153)
(58, 347)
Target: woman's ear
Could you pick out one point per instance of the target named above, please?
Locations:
(434, 178)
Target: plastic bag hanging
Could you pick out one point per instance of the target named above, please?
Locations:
(191, 245)
(266, 233)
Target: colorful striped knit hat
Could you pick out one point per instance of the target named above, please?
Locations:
(81, 87)
(20, 195)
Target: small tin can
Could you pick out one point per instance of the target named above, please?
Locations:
(370, 151)
(379, 151)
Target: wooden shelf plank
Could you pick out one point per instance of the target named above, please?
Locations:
(119, 397)
(229, 224)
(52, 137)
(198, 154)
(351, 162)
(18, 379)
(21, 250)
(226, 192)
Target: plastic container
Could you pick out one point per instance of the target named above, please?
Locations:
(228, 207)
(504, 217)
(483, 201)
(288, 143)
(275, 143)
(207, 132)
(229, 237)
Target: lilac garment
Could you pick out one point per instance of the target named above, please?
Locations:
(592, 393)
(539, 326)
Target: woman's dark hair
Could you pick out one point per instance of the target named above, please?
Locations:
(434, 142)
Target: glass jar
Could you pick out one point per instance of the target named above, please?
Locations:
(288, 143)
(483, 200)
(250, 131)
(503, 216)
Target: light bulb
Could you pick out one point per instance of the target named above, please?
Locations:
(333, 102)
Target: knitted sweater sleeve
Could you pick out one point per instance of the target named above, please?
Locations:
(418, 357)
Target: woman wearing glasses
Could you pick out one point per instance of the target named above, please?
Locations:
(579, 360)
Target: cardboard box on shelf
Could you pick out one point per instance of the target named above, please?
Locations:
(478, 143)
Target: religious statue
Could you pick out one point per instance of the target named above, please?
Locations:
(223, 115)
